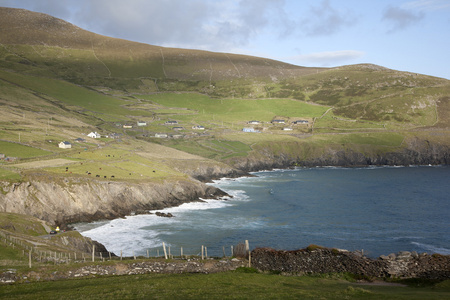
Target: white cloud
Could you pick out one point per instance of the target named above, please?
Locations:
(327, 58)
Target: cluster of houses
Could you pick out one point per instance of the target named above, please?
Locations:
(274, 121)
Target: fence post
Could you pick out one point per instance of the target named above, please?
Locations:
(29, 259)
(148, 256)
(181, 252)
(223, 249)
(232, 252)
(120, 254)
(93, 252)
(164, 248)
(203, 251)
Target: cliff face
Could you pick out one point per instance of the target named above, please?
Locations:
(416, 152)
(74, 200)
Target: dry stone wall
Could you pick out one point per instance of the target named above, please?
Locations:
(324, 260)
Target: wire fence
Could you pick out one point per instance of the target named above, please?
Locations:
(41, 253)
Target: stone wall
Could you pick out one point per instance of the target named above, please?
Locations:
(323, 260)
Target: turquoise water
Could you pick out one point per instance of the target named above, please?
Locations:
(380, 210)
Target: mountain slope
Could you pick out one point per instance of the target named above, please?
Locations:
(55, 41)
(170, 115)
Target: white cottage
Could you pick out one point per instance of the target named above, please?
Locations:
(94, 135)
(65, 145)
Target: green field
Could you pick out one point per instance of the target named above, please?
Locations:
(230, 285)
(20, 151)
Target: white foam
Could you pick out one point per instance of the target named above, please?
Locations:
(433, 249)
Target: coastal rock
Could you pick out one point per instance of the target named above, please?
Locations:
(80, 200)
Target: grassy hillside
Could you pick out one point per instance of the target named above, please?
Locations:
(59, 82)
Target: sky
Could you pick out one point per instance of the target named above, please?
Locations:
(405, 35)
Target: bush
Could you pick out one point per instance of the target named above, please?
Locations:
(313, 247)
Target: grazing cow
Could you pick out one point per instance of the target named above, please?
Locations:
(97, 175)
(154, 171)
(112, 176)
(104, 176)
(89, 173)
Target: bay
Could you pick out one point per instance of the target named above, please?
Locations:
(380, 210)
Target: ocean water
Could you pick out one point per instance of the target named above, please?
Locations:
(380, 210)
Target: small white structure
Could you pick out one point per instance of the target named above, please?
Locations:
(127, 126)
(65, 145)
(141, 123)
(198, 127)
(94, 135)
(278, 121)
(160, 135)
(287, 129)
(253, 122)
(249, 129)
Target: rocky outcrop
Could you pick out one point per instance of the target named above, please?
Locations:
(323, 260)
(68, 200)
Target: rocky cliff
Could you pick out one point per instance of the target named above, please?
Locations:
(415, 152)
(67, 200)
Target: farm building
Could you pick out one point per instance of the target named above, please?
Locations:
(254, 122)
(171, 122)
(160, 135)
(278, 121)
(287, 129)
(94, 135)
(198, 127)
(301, 122)
(65, 145)
(141, 123)
(127, 126)
(80, 140)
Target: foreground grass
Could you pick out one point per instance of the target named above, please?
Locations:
(230, 285)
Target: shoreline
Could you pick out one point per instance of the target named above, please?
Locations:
(425, 246)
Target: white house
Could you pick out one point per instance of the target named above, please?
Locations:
(249, 129)
(287, 129)
(160, 135)
(253, 122)
(65, 145)
(94, 135)
(198, 127)
(141, 123)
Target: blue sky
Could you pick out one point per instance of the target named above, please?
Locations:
(406, 35)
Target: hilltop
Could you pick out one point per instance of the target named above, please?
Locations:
(170, 119)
